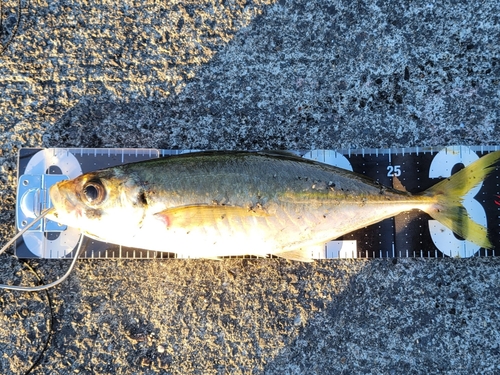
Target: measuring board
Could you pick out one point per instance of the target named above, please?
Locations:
(410, 234)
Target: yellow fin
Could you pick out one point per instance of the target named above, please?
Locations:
(449, 194)
(199, 215)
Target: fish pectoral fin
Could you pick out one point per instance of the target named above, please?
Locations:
(199, 215)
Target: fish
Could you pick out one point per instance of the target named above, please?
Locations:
(233, 203)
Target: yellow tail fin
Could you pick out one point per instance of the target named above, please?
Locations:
(449, 193)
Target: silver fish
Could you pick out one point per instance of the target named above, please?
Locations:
(214, 204)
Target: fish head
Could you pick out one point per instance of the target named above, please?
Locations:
(96, 202)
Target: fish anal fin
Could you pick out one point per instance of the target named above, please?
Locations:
(199, 215)
(396, 184)
(303, 254)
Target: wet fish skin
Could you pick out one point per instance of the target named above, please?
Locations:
(234, 203)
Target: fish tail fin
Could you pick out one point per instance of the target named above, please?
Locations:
(449, 195)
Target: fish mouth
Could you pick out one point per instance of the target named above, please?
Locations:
(60, 198)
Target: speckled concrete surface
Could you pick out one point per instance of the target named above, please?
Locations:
(249, 75)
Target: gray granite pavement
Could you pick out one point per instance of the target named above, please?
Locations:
(248, 75)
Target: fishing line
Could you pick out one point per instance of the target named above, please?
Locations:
(46, 286)
(13, 239)
(37, 361)
(3, 47)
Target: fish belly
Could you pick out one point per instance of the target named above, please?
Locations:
(286, 230)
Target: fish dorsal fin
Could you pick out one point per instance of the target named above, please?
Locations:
(282, 153)
(205, 214)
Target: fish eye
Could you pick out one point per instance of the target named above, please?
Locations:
(94, 192)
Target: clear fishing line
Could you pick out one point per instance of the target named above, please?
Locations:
(13, 239)
(46, 286)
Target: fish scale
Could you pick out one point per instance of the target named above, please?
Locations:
(314, 215)
(407, 234)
